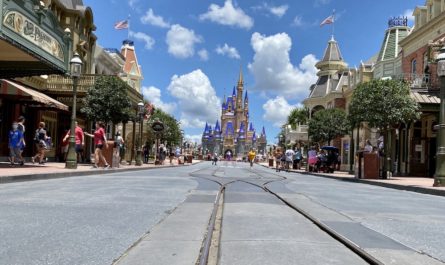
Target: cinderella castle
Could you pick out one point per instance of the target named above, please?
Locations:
(234, 133)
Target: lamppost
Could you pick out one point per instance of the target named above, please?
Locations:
(439, 176)
(139, 147)
(76, 70)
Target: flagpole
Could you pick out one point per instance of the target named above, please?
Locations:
(128, 29)
(333, 23)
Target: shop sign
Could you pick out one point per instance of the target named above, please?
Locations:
(33, 33)
(418, 148)
(157, 126)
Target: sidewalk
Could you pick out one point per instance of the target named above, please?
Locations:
(57, 170)
(415, 184)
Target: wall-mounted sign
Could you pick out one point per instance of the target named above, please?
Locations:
(33, 33)
(418, 148)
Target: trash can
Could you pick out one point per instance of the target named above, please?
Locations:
(371, 166)
(359, 164)
(108, 154)
(190, 159)
(270, 162)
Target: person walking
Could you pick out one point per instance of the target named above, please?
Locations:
(21, 128)
(79, 139)
(251, 156)
(289, 158)
(215, 158)
(100, 140)
(15, 140)
(40, 139)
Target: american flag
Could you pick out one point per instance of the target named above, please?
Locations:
(121, 25)
(328, 20)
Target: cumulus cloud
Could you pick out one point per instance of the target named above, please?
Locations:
(181, 41)
(203, 54)
(273, 71)
(153, 95)
(197, 99)
(231, 52)
(278, 11)
(140, 36)
(229, 15)
(276, 110)
(151, 19)
(196, 138)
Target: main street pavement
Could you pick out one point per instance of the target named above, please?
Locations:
(161, 216)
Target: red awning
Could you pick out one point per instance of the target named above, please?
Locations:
(11, 88)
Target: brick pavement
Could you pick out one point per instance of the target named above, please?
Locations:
(57, 170)
(416, 184)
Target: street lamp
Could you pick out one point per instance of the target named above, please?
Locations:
(141, 120)
(439, 176)
(76, 70)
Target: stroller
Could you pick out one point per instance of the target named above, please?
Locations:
(328, 159)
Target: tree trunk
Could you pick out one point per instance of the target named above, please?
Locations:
(351, 153)
(387, 172)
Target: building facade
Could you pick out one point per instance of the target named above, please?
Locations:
(234, 133)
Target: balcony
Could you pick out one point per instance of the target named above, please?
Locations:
(60, 83)
(64, 84)
(420, 81)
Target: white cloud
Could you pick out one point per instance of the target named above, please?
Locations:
(409, 14)
(153, 95)
(273, 71)
(229, 15)
(151, 19)
(149, 41)
(203, 54)
(231, 52)
(276, 110)
(298, 21)
(181, 41)
(278, 11)
(196, 98)
(196, 138)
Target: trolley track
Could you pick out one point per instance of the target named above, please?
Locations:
(224, 182)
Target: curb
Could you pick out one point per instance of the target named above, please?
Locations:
(72, 173)
(374, 183)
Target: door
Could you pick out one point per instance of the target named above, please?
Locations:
(418, 161)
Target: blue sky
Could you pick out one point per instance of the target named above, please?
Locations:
(191, 51)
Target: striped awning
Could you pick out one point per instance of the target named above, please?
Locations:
(11, 88)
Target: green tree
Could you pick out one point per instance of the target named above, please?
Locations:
(298, 116)
(172, 129)
(383, 104)
(108, 101)
(327, 124)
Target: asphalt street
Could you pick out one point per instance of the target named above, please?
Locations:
(160, 216)
(85, 220)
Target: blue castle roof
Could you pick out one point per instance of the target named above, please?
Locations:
(251, 129)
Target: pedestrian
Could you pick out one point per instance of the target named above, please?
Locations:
(289, 156)
(251, 157)
(40, 139)
(277, 155)
(15, 141)
(312, 159)
(21, 128)
(64, 146)
(162, 154)
(146, 152)
(297, 158)
(79, 140)
(368, 146)
(118, 145)
(100, 140)
(215, 158)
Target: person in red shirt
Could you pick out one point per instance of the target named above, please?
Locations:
(100, 140)
(80, 141)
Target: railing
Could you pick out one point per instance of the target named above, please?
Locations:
(425, 81)
(58, 83)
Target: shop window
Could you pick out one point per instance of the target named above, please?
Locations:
(414, 66)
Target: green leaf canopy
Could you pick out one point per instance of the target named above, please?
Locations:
(327, 124)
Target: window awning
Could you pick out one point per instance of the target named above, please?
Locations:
(11, 88)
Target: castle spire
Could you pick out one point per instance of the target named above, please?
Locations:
(240, 79)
